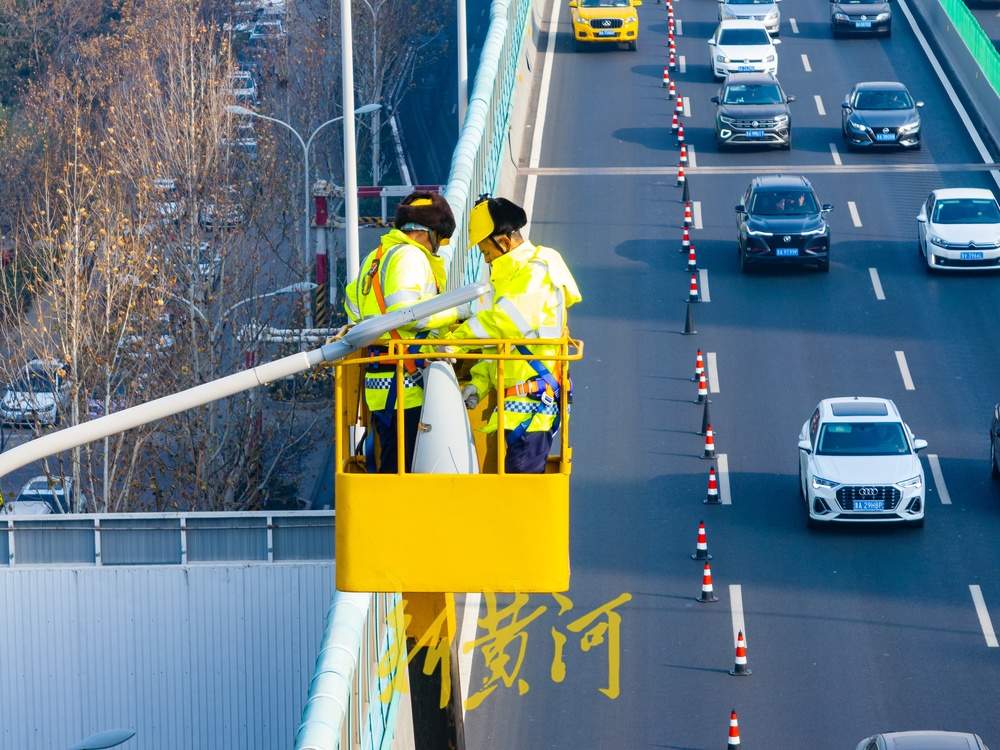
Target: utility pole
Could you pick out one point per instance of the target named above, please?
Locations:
(463, 64)
(353, 242)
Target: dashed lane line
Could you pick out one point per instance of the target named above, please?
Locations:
(679, 27)
(904, 370)
(682, 64)
(696, 210)
(794, 24)
(852, 209)
(939, 485)
(725, 496)
(736, 610)
(713, 373)
(706, 295)
(876, 283)
(692, 157)
(687, 106)
(819, 105)
(984, 615)
(805, 63)
(835, 154)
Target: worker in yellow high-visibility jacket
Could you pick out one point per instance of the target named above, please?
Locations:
(403, 270)
(532, 289)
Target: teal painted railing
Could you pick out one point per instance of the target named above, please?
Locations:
(977, 40)
(343, 710)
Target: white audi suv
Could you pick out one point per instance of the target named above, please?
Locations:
(858, 463)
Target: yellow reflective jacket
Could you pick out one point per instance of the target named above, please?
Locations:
(408, 273)
(532, 289)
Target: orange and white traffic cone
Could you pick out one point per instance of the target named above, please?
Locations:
(666, 77)
(693, 294)
(679, 109)
(670, 33)
(674, 123)
(673, 60)
(688, 215)
(680, 174)
(686, 236)
(680, 140)
(671, 90)
(701, 546)
(734, 731)
(741, 667)
(670, 11)
(692, 264)
(699, 366)
(702, 389)
(684, 148)
(709, 443)
(713, 488)
(707, 593)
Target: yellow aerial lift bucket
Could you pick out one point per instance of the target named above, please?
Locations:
(490, 531)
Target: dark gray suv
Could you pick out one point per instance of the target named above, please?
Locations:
(752, 110)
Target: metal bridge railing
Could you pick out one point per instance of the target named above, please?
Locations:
(343, 710)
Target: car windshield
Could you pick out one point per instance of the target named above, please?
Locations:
(966, 211)
(752, 93)
(862, 439)
(744, 37)
(33, 382)
(55, 501)
(749, 2)
(891, 99)
(786, 202)
(604, 3)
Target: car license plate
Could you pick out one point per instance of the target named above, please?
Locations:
(862, 24)
(869, 505)
(971, 255)
(607, 33)
(744, 68)
(885, 136)
(785, 252)
(755, 134)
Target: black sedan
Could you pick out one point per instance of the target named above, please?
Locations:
(752, 110)
(880, 114)
(860, 17)
(780, 221)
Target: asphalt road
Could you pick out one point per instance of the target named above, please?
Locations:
(850, 631)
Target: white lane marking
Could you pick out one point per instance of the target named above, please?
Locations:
(835, 154)
(692, 157)
(805, 63)
(470, 621)
(678, 27)
(736, 609)
(794, 25)
(876, 283)
(713, 373)
(682, 63)
(703, 285)
(819, 105)
(984, 152)
(543, 103)
(696, 210)
(904, 370)
(687, 106)
(984, 615)
(852, 209)
(942, 488)
(725, 497)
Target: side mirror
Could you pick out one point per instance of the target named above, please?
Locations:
(636, 3)
(790, 98)
(845, 105)
(921, 217)
(920, 104)
(775, 42)
(740, 208)
(805, 445)
(711, 42)
(826, 207)
(918, 444)
(573, 3)
(715, 100)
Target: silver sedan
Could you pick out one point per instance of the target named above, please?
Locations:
(765, 11)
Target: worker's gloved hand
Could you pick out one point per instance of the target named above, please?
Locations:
(470, 396)
(464, 311)
(445, 349)
(340, 332)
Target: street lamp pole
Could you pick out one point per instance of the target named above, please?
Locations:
(353, 241)
(463, 64)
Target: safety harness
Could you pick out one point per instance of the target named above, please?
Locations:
(543, 389)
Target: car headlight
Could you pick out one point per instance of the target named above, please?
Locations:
(910, 127)
(720, 58)
(633, 19)
(781, 120)
(935, 240)
(819, 482)
(857, 126)
(913, 483)
(814, 232)
(882, 17)
(770, 58)
(759, 233)
(840, 16)
(726, 120)
(772, 15)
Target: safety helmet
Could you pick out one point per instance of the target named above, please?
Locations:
(425, 211)
(492, 217)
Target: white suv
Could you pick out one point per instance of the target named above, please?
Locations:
(741, 46)
(858, 463)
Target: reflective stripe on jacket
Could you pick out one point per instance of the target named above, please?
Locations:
(532, 289)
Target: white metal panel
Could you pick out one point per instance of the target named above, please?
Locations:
(202, 656)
